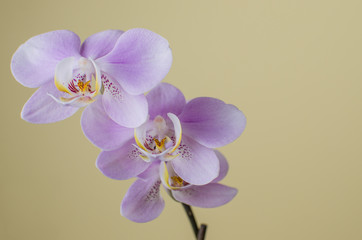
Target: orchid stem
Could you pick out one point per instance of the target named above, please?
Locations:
(199, 233)
(202, 232)
(192, 219)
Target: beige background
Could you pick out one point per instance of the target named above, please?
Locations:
(293, 67)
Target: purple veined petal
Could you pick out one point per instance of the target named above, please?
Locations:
(212, 122)
(122, 163)
(206, 196)
(139, 60)
(41, 108)
(101, 130)
(196, 164)
(224, 166)
(34, 62)
(163, 99)
(125, 109)
(100, 44)
(143, 201)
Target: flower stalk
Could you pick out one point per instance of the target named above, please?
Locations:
(199, 232)
(202, 232)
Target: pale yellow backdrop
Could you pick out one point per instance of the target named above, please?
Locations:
(293, 67)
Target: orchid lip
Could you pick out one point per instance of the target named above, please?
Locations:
(79, 79)
(156, 140)
(148, 157)
(170, 179)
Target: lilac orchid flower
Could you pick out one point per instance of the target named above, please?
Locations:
(143, 201)
(113, 66)
(179, 133)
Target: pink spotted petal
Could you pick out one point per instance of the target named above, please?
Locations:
(125, 109)
(122, 163)
(196, 164)
(143, 201)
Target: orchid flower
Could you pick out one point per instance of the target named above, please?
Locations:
(181, 134)
(144, 203)
(113, 66)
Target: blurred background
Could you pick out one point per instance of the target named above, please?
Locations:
(293, 67)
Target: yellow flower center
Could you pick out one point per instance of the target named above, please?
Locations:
(160, 145)
(177, 181)
(83, 86)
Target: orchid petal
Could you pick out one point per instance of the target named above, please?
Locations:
(211, 122)
(195, 164)
(101, 130)
(34, 62)
(139, 60)
(152, 171)
(122, 163)
(143, 201)
(100, 44)
(163, 99)
(224, 166)
(206, 196)
(41, 108)
(125, 109)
